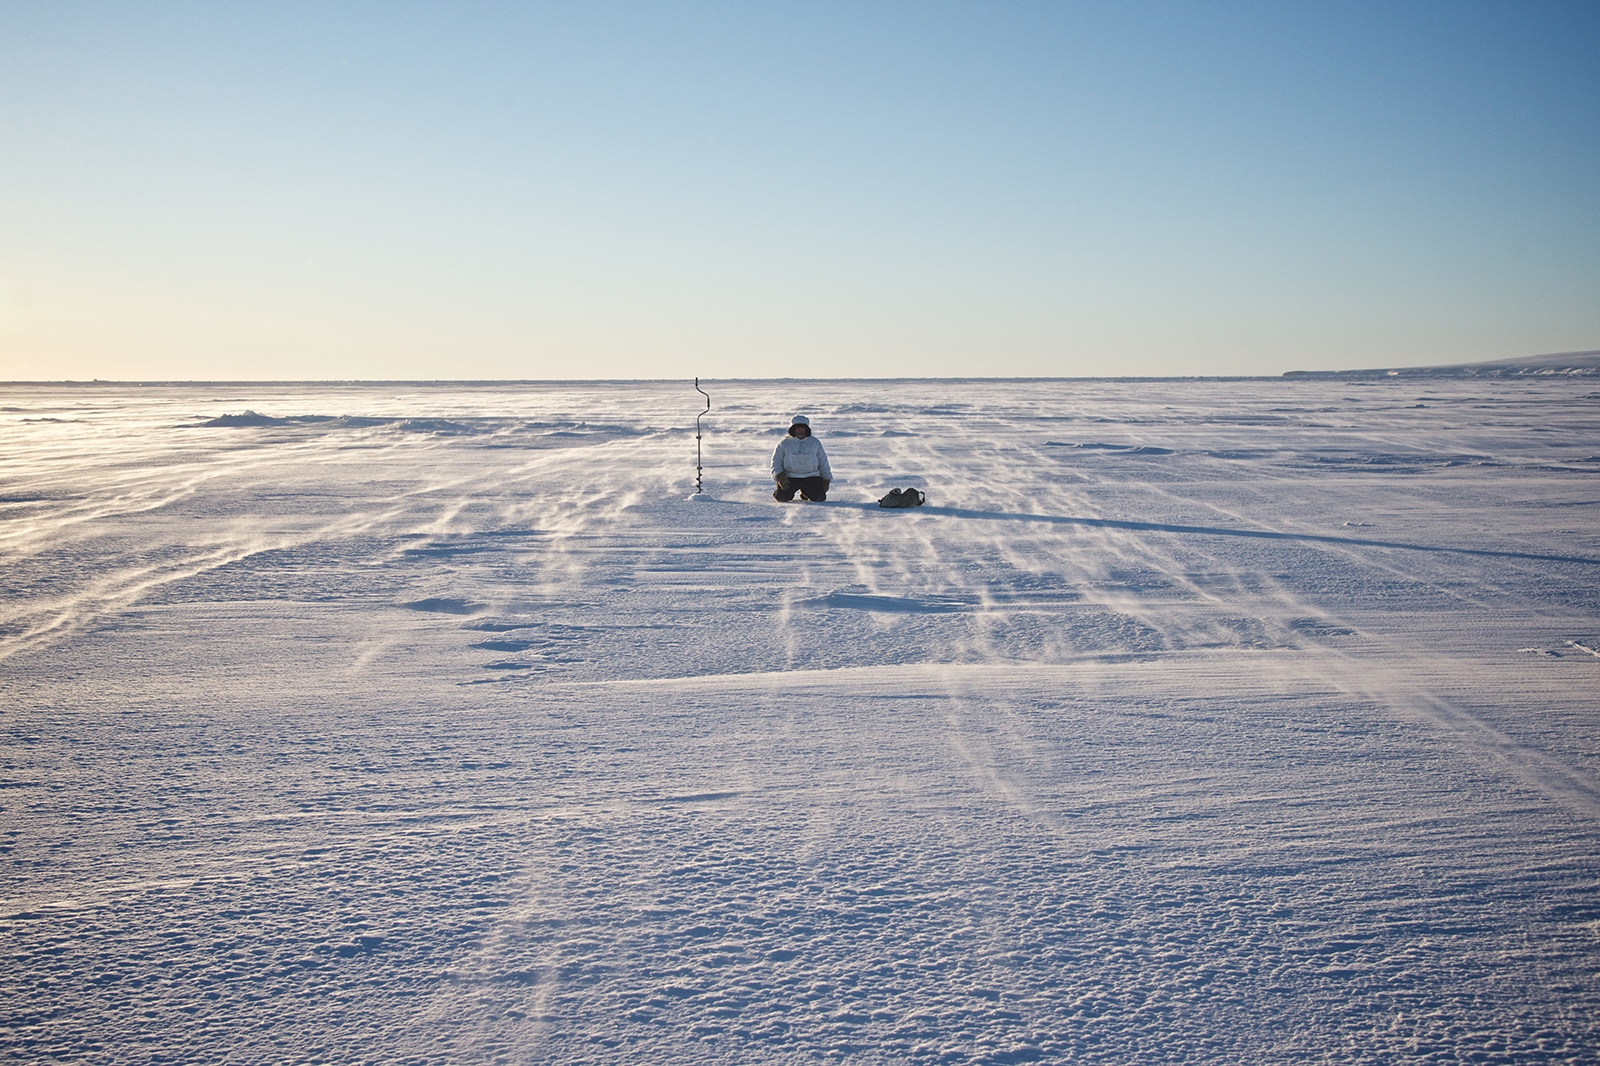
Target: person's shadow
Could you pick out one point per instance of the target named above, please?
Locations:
(1220, 531)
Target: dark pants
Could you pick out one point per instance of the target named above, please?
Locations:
(814, 489)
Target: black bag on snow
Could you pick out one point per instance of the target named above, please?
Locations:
(903, 498)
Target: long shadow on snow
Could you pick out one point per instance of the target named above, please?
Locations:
(1257, 534)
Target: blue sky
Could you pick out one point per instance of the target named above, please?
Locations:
(757, 190)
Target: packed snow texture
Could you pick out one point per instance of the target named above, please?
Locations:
(1188, 722)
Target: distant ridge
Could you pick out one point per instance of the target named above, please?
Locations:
(1574, 364)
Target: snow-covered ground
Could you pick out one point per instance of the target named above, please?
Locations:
(1191, 722)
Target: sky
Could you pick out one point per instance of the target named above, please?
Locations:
(607, 190)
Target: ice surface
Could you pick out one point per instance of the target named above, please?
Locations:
(1199, 722)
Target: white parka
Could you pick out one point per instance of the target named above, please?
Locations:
(801, 457)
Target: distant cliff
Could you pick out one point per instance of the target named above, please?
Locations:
(1576, 364)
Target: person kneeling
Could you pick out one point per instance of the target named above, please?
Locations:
(799, 464)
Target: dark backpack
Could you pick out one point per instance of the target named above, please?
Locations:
(903, 498)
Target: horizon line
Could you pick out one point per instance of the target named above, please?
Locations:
(1523, 364)
(175, 382)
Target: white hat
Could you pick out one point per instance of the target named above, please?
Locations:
(800, 420)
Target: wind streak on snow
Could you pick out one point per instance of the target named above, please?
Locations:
(1391, 679)
(34, 625)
